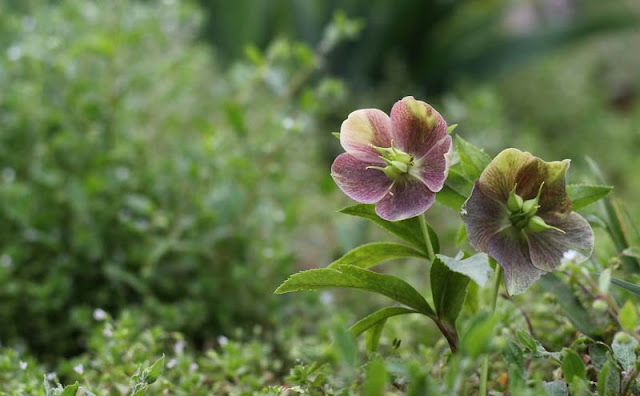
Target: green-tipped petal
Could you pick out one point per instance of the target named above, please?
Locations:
(417, 127)
(363, 130)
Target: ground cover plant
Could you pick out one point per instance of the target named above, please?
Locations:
(470, 173)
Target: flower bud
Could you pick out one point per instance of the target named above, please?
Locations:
(515, 201)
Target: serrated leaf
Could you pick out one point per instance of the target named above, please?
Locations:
(70, 390)
(574, 310)
(583, 195)
(348, 276)
(366, 256)
(383, 314)
(628, 316)
(472, 159)
(408, 230)
(572, 365)
(155, 371)
(449, 290)
(475, 267)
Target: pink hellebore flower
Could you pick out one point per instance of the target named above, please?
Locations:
(397, 162)
(520, 214)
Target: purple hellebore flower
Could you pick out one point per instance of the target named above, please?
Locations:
(397, 162)
(519, 213)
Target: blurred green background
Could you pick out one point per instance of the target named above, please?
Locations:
(171, 158)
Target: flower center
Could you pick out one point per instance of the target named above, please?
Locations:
(523, 213)
(398, 162)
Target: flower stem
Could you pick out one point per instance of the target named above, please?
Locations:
(427, 240)
(484, 374)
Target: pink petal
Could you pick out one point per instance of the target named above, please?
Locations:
(417, 127)
(509, 249)
(548, 247)
(408, 198)
(364, 128)
(483, 217)
(359, 183)
(433, 167)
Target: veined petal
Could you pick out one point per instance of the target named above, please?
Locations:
(417, 127)
(407, 198)
(509, 249)
(433, 167)
(359, 183)
(514, 167)
(548, 247)
(362, 130)
(483, 217)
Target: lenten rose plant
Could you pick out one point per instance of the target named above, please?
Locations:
(516, 209)
(520, 214)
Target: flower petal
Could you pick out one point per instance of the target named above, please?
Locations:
(359, 183)
(433, 167)
(509, 249)
(364, 128)
(417, 127)
(548, 247)
(514, 167)
(407, 198)
(483, 217)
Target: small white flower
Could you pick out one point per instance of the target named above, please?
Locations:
(326, 298)
(107, 332)
(79, 368)
(288, 123)
(193, 367)
(23, 365)
(178, 348)
(570, 255)
(51, 376)
(99, 314)
(222, 340)
(172, 363)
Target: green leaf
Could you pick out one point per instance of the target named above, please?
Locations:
(515, 364)
(475, 267)
(452, 128)
(366, 256)
(372, 336)
(609, 379)
(408, 229)
(348, 276)
(472, 159)
(575, 312)
(376, 378)
(142, 391)
(478, 335)
(383, 314)
(628, 286)
(450, 198)
(624, 349)
(572, 365)
(155, 371)
(628, 316)
(70, 390)
(556, 388)
(583, 195)
(345, 344)
(449, 290)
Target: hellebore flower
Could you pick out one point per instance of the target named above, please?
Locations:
(397, 162)
(519, 213)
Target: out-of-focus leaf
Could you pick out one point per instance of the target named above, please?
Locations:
(624, 349)
(576, 313)
(628, 286)
(376, 378)
(70, 390)
(347, 276)
(366, 256)
(372, 336)
(583, 195)
(572, 365)
(155, 371)
(515, 366)
(628, 316)
(479, 332)
(556, 388)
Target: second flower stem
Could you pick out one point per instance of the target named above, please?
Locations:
(484, 374)
(427, 239)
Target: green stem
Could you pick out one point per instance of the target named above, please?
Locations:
(484, 374)
(427, 240)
